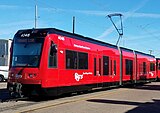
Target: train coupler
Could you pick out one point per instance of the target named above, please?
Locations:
(15, 90)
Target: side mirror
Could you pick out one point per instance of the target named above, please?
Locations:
(53, 48)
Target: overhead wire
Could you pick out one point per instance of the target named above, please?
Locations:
(148, 32)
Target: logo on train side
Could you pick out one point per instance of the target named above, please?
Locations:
(82, 47)
(78, 77)
(151, 74)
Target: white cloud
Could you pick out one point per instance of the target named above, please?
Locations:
(18, 23)
(129, 14)
(8, 6)
(145, 15)
(125, 14)
(143, 37)
(8, 30)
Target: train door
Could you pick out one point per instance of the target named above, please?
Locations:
(52, 71)
(129, 69)
(132, 71)
(113, 69)
(158, 68)
(135, 64)
(98, 70)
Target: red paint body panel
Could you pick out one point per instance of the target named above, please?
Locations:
(24, 76)
(128, 55)
(66, 77)
(140, 70)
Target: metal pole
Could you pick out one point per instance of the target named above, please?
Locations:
(73, 24)
(118, 40)
(36, 13)
(121, 70)
(150, 52)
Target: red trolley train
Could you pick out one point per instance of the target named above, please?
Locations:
(51, 62)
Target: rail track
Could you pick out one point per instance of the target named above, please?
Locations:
(29, 105)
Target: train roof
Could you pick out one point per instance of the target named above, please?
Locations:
(145, 54)
(83, 38)
(136, 52)
(126, 49)
(75, 36)
(68, 34)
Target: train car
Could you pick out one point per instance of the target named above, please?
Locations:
(51, 62)
(146, 67)
(158, 68)
(128, 66)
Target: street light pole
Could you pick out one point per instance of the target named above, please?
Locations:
(36, 13)
(73, 24)
(150, 52)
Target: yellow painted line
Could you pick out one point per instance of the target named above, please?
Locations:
(67, 101)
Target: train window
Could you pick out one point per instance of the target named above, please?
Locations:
(95, 66)
(144, 68)
(71, 59)
(114, 67)
(159, 66)
(53, 55)
(82, 60)
(152, 66)
(129, 67)
(105, 65)
(76, 60)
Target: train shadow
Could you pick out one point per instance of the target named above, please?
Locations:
(144, 86)
(65, 95)
(148, 107)
(4, 95)
(141, 86)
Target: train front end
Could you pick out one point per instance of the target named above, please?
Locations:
(24, 74)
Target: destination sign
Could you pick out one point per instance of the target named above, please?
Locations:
(25, 40)
(32, 33)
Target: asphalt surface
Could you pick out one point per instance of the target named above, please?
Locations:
(139, 99)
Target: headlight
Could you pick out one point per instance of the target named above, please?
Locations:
(32, 75)
(18, 76)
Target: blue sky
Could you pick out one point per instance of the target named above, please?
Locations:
(141, 19)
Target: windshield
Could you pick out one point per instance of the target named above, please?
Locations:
(26, 53)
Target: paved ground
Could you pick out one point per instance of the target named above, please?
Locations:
(141, 99)
(3, 85)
